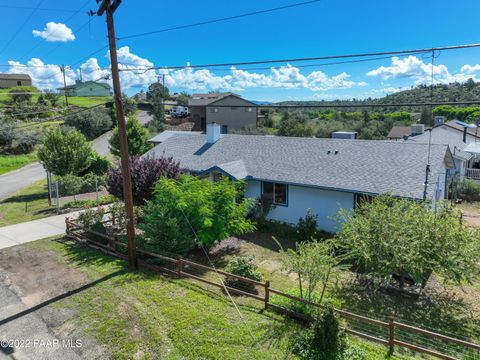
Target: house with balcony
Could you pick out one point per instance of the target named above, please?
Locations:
(324, 175)
(464, 142)
(228, 110)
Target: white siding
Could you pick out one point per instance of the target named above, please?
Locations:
(324, 203)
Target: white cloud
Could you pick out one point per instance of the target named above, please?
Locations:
(55, 32)
(470, 69)
(421, 72)
(45, 76)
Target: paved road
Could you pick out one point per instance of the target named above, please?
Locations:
(33, 230)
(14, 181)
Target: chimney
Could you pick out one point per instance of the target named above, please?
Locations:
(213, 133)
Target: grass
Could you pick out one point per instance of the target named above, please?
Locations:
(140, 315)
(88, 101)
(14, 162)
(30, 203)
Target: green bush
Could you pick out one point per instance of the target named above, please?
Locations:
(242, 266)
(91, 123)
(307, 227)
(90, 217)
(468, 187)
(99, 165)
(325, 340)
(102, 200)
(188, 211)
(73, 185)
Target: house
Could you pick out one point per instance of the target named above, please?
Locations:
(462, 139)
(317, 173)
(402, 132)
(228, 110)
(87, 88)
(12, 80)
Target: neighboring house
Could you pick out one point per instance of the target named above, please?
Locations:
(12, 80)
(228, 110)
(321, 174)
(402, 132)
(462, 141)
(87, 88)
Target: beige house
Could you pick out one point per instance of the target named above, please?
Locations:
(12, 80)
(226, 109)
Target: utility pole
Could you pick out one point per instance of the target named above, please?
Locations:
(109, 8)
(64, 85)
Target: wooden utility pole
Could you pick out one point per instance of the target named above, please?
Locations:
(64, 85)
(109, 8)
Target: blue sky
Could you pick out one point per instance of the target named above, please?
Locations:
(326, 27)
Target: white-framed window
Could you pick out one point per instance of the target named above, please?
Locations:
(277, 193)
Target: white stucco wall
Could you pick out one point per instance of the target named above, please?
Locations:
(324, 203)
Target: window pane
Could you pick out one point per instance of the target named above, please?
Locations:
(267, 191)
(280, 193)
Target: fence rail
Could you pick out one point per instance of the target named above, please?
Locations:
(181, 265)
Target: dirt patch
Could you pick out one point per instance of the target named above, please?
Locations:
(36, 275)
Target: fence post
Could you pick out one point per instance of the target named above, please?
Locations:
(67, 226)
(179, 267)
(113, 243)
(267, 293)
(113, 216)
(391, 333)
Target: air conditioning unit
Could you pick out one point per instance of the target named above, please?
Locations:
(417, 129)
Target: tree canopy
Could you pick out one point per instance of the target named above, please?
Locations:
(137, 138)
(405, 238)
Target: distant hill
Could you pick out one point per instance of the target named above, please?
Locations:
(468, 91)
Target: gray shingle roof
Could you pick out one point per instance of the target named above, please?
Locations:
(446, 135)
(360, 166)
(15, 77)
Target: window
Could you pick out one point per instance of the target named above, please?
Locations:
(275, 192)
(91, 89)
(213, 110)
(224, 129)
(19, 83)
(248, 109)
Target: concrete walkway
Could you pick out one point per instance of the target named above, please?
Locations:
(33, 230)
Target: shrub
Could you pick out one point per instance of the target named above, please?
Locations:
(102, 200)
(137, 138)
(90, 217)
(63, 154)
(91, 123)
(307, 227)
(7, 133)
(324, 340)
(145, 173)
(190, 210)
(99, 165)
(468, 187)
(242, 266)
(24, 142)
(73, 185)
(259, 211)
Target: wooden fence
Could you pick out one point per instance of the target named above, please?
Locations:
(180, 267)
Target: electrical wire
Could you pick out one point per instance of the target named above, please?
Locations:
(217, 20)
(304, 59)
(36, 8)
(21, 26)
(39, 42)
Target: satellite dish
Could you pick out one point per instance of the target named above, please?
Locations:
(464, 124)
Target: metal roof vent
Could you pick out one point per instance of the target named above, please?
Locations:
(336, 152)
(328, 152)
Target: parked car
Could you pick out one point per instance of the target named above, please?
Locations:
(179, 111)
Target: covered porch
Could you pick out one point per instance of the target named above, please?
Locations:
(472, 170)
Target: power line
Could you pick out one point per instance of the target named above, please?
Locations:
(218, 20)
(53, 32)
(36, 8)
(328, 57)
(22, 26)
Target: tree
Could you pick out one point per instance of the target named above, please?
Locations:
(91, 123)
(145, 173)
(129, 105)
(190, 210)
(314, 263)
(290, 126)
(182, 99)
(63, 154)
(137, 138)
(405, 238)
(156, 95)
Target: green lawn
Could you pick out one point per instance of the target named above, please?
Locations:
(14, 162)
(87, 101)
(140, 315)
(28, 204)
